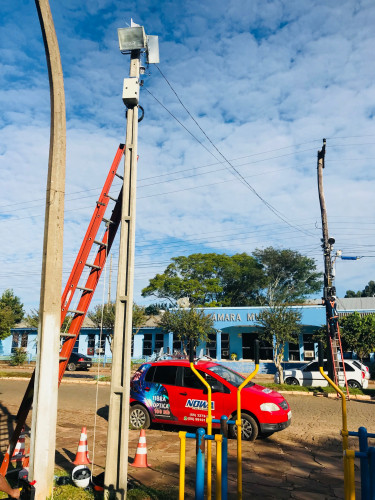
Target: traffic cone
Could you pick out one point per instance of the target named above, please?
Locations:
(82, 457)
(19, 450)
(140, 459)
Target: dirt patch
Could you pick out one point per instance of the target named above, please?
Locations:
(302, 462)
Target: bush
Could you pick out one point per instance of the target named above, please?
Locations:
(18, 357)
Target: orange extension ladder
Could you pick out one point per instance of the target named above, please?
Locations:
(87, 291)
(338, 361)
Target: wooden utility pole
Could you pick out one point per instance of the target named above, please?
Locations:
(327, 243)
(116, 469)
(43, 430)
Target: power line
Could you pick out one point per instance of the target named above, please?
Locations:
(276, 212)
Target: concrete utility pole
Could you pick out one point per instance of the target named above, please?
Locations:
(327, 244)
(132, 41)
(43, 430)
(116, 469)
(110, 280)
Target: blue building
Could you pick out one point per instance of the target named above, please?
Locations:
(236, 330)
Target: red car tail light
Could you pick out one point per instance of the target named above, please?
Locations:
(363, 374)
(81, 359)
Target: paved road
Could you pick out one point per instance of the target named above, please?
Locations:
(301, 462)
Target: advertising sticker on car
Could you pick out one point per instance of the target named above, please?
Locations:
(289, 414)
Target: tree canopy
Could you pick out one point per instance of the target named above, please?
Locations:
(187, 324)
(209, 280)
(213, 279)
(368, 291)
(291, 275)
(11, 312)
(279, 325)
(358, 333)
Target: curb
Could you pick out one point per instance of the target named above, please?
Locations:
(67, 381)
(360, 397)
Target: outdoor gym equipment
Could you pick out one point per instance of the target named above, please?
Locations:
(210, 438)
(221, 463)
(239, 421)
(366, 456)
(349, 487)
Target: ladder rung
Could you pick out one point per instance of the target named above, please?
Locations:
(74, 311)
(100, 243)
(62, 359)
(70, 335)
(93, 266)
(107, 221)
(84, 289)
(120, 176)
(100, 203)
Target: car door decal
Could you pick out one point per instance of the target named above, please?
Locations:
(153, 396)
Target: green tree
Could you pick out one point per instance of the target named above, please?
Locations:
(209, 280)
(358, 333)
(291, 275)
(8, 299)
(368, 291)
(11, 312)
(6, 322)
(187, 324)
(279, 325)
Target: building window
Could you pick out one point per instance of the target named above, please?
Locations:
(76, 345)
(294, 352)
(101, 344)
(147, 344)
(24, 339)
(211, 345)
(308, 347)
(15, 341)
(248, 352)
(224, 345)
(159, 342)
(91, 345)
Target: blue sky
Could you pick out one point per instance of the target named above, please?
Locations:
(266, 81)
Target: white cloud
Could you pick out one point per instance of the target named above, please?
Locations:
(258, 76)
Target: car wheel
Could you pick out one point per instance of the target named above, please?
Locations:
(248, 426)
(71, 367)
(291, 381)
(139, 417)
(353, 384)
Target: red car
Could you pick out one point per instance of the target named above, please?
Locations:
(169, 392)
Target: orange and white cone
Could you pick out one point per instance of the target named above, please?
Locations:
(82, 456)
(19, 450)
(140, 459)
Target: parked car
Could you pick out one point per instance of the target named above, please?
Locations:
(362, 367)
(78, 361)
(169, 392)
(310, 375)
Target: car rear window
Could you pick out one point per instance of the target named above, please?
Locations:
(358, 365)
(165, 374)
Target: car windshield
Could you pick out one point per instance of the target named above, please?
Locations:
(230, 376)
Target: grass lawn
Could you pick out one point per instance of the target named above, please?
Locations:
(329, 389)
